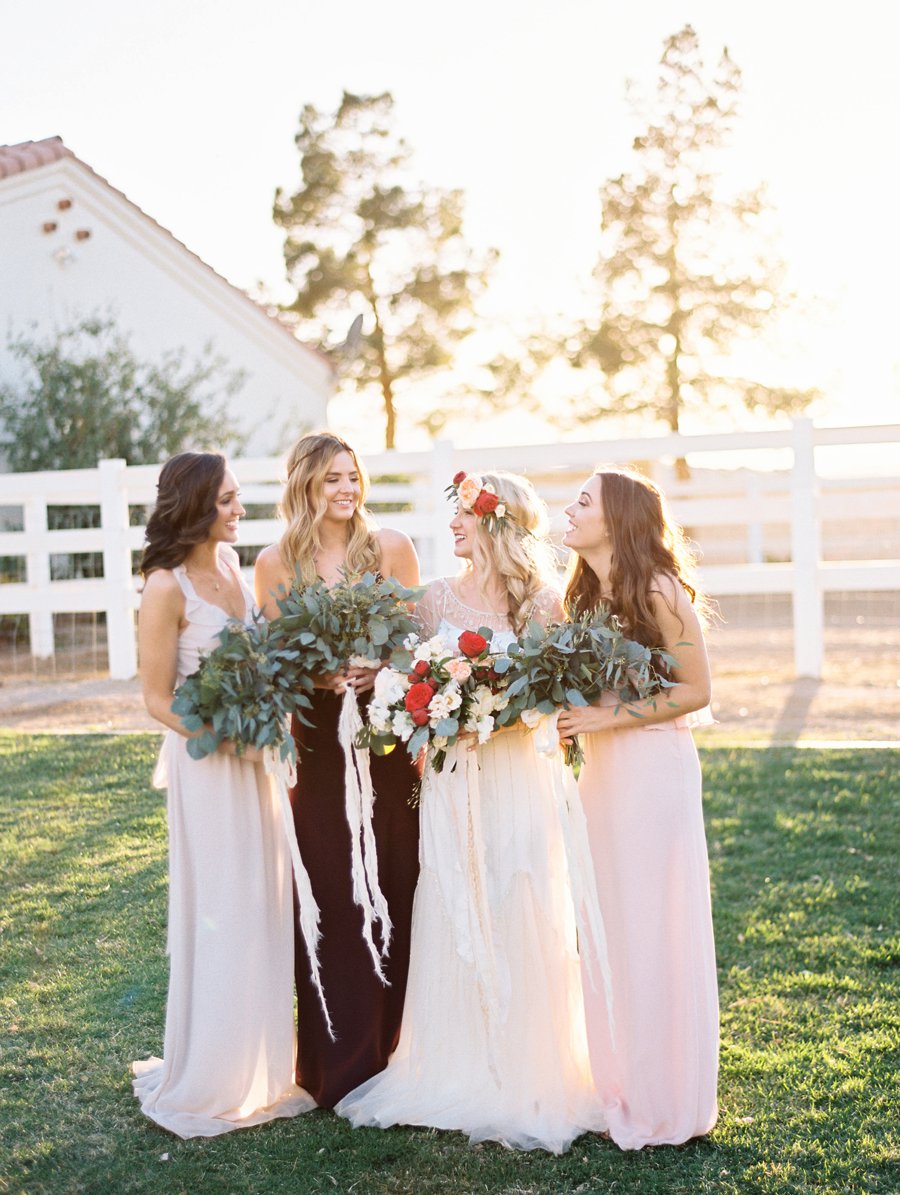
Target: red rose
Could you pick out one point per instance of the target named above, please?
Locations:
(419, 717)
(472, 644)
(457, 477)
(418, 697)
(485, 503)
(421, 667)
(434, 683)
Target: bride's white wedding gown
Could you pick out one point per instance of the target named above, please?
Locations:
(493, 1038)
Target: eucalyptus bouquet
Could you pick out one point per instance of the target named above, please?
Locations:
(573, 663)
(431, 694)
(245, 690)
(354, 622)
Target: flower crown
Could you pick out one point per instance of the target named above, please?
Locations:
(471, 493)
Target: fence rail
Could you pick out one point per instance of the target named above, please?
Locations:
(760, 531)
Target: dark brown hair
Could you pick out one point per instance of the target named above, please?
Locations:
(185, 509)
(646, 544)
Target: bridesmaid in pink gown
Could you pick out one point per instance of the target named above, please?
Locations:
(654, 1054)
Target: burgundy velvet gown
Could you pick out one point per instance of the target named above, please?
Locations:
(364, 1012)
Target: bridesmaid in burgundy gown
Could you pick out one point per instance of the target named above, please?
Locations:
(328, 529)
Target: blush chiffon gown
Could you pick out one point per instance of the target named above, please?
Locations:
(229, 1034)
(656, 1072)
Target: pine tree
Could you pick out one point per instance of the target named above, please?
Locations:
(362, 236)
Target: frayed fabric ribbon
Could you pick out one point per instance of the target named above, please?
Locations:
(359, 804)
(284, 773)
(456, 846)
(582, 878)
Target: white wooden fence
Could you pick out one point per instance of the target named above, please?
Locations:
(734, 516)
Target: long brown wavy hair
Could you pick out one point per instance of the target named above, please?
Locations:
(186, 496)
(303, 505)
(519, 549)
(646, 544)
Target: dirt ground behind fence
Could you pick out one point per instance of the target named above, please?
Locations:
(755, 696)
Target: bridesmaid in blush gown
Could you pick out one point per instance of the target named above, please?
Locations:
(229, 1038)
(656, 1071)
(328, 532)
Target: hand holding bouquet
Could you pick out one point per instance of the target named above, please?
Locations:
(574, 663)
(245, 690)
(352, 625)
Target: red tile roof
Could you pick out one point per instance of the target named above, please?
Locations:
(30, 155)
(16, 159)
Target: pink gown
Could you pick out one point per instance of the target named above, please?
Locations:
(656, 1071)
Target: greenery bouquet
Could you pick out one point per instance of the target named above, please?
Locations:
(574, 663)
(245, 690)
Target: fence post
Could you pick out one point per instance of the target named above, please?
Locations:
(117, 570)
(754, 524)
(40, 616)
(443, 562)
(808, 614)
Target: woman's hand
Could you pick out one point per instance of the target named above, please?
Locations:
(359, 680)
(250, 754)
(584, 719)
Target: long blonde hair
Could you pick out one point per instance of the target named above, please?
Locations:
(303, 507)
(518, 550)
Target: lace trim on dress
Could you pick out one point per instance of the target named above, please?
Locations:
(440, 603)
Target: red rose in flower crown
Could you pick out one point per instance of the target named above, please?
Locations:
(457, 477)
(421, 667)
(471, 644)
(485, 503)
(418, 697)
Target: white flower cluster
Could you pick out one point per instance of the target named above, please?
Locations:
(482, 708)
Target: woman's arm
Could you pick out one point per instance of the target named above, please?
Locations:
(159, 623)
(683, 639)
(398, 557)
(271, 580)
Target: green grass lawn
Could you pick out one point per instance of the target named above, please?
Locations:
(804, 849)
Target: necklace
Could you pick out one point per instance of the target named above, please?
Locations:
(215, 584)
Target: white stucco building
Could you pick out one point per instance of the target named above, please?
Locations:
(71, 245)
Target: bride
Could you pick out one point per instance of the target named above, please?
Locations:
(493, 1037)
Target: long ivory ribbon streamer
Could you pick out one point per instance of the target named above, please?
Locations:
(582, 878)
(359, 803)
(453, 848)
(284, 773)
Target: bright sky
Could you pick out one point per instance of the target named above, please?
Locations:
(190, 109)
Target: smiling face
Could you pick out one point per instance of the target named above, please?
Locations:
(341, 487)
(228, 511)
(463, 525)
(587, 530)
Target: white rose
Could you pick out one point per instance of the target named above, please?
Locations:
(390, 686)
(485, 728)
(531, 718)
(402, 725)
(482, 702)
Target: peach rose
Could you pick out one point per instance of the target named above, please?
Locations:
(469, 489)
